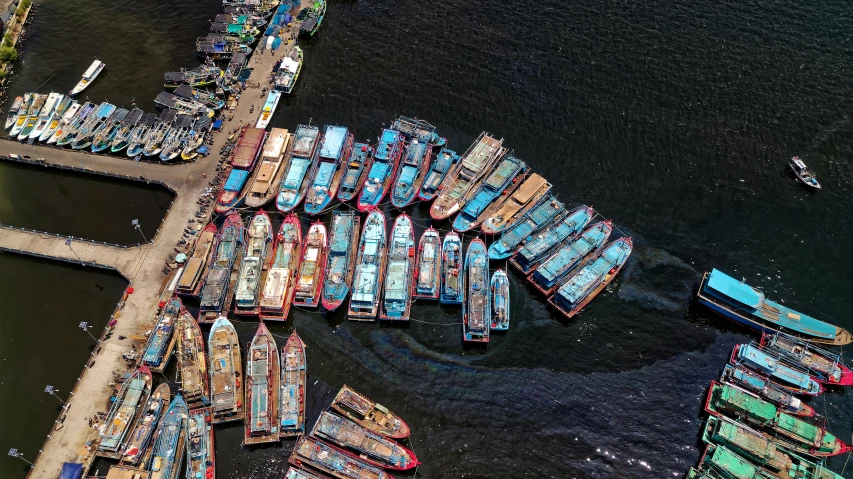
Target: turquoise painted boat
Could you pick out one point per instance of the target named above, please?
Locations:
(762, 387)
(428, 269)
(438, 170)
(539, 217)
(551, 272)
(477, 307)
(139, 440)
(93, 123)
(139, 136)
(355, 171)
(397, 297)
(38, 106)
(311, 17)
(340, 261)
(581, 287)
(200, 451)
(765, 362)
(746, 305)
(381, 174)
(124, 410)
(452, 277)
(294, 184)
(369, 269)
(536, 248)
(217, 281)
(325, 177)
(500, 301)
(170, 442)
(121, 137)
(103, 137)
(411, 174)
(509, 168)
(157, 350)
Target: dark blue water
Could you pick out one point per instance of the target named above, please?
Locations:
(676, 120)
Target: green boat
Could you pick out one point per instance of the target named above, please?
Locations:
(723, 463)
(311, 17)
(785, 429)
(751, 444)
(693, 473)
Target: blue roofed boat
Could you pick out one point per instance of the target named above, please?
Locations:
(500, 301)
(761, 386)
(200, 451)
(580, 288)
(86, 133)
(428, 269)
(385, 160)
(539, 217)
(537, 247)
(128, 404)
(104, 138)
(295, 183)
(341, 259)
(438, 170)
(505, 174)
(397, 300)
(551, 272)
(411, 175)
(369, 269)
(158, 348)
(263, 381)
(217, 281)
(230, 196)
(452, 279)
(170, 442)
(477, 307)
(758, 359)
(746, 305)
(355, 171)
(326, 175)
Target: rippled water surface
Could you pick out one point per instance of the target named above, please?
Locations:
(675, 120)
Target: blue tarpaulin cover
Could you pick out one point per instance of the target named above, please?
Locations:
(71, 470)
(203, 150)
(217, 125)
(236, 180)
(276, 43)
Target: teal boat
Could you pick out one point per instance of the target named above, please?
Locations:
(83, 136)
(539, 217)
(441, 165)
(170, 441)
(355, 172)
(452, 277)
(551, 272)
(428, 268)
(340, 262)
(139, 439)
(369, 269)
(295, 183)
(139, 135)
(68, 131)
(762, 387)
(765, 362)
(263, 382)
(502, 177)
(397, 297)
(158, 349)
(217, 281)
(200, 452)
(500, 301)
(121, 137)
(104, 137)
(537, 248)
(311, 18)
(325, 177)
(411, 174)
(477, 307)
(123, 413)
(385, 160)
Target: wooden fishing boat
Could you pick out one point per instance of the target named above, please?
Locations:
(310, 278)
(121, 137)
(443, 164)
(256, 255)
(355, 172)
(161, 342)
(288, 71)
(536, 248)
(94, 125)
(192, 362)
(334, 461)
(340, 262)
(325, 177)
(50, 114)
(452, 277)
(412, 171)
(139, 440)
(385, 160)
(201, 455)
(500, 301)
(124, 412)
(551, 272)
(189, 280)
(295, 183)
(372, 447)
(226, 372)
(263, 379)
(369, 414)
(170, 442)
(504, 214)
(139, 136)
(544, 214)
(263, 186)
(427, 278)
(477, 308)
(104, 138)
(803, 173)
(475, 163)
(760, 386)
(369, 269)
(293, 386)
(297, 473)
(227, 256)
(508, 172)
(280, 282)
(311, 17)
(822, 365)
(783, 375)
(397, 296)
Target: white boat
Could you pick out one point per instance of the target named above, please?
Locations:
(94, 70)
(13, 112)
(55, 103)
(23, 114)
(269, 108)
(59, 119)
(288, 71)
(803, 173)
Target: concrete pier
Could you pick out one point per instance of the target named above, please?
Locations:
(142, 265)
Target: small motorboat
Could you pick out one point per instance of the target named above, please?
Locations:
(803, 173)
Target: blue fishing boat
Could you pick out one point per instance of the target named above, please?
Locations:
(475, 164)
(158, 348)
(428, 268)
(438, 170)
(325, 177)
(744, 304)
(200, 451)
(758, 359)
(508, 171)
(536, 248)
(581, 287)
(551, 272)
(355, 172)
(95, 121)
(397, 299)
(500, 301)
(369, 269)
(124, 411)
(140, 437)
(122, 135)
(763, 387)
(477, 307)
(139, 136)
(412, 172)
(217, 282)
(170, 442)
(294, 183)
(103, 138)
(452, 279)
(385, 160)
(230, 196)
(548, 210)
(341, 259)
(263, 381)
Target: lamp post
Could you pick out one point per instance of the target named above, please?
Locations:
(14, 453)
(135, 224)
(49, 389)
(85, 327)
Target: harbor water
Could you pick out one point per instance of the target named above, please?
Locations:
(676, 121)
